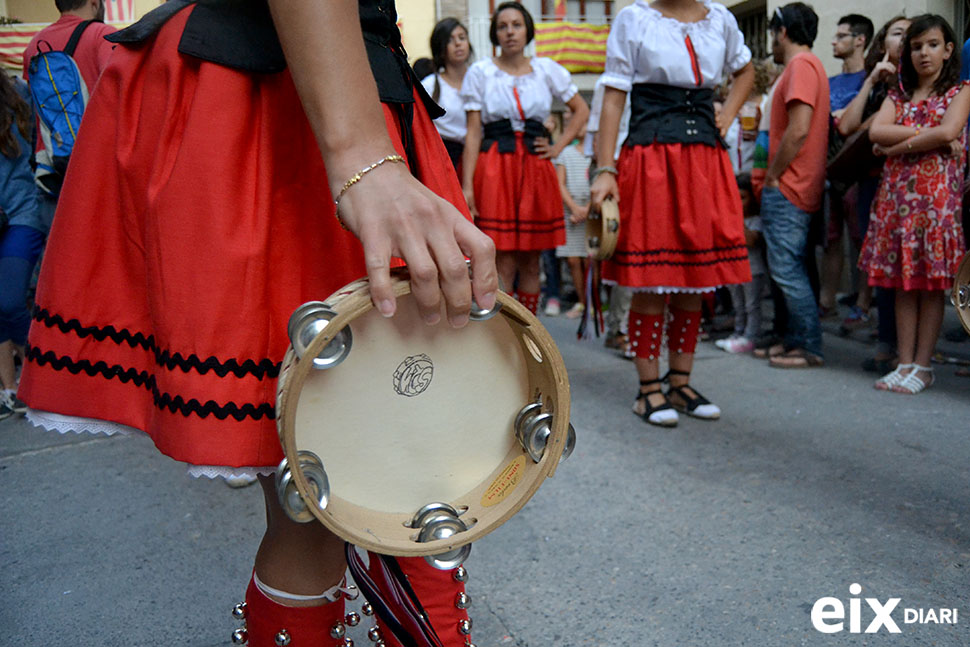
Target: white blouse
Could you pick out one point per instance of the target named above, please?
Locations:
(452, 125)
(645, 46)
(490, 90)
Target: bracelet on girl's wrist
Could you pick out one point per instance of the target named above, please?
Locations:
(357, 177)
(604, 169)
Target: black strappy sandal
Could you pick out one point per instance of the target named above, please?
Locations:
(667, 415)
(694, 405)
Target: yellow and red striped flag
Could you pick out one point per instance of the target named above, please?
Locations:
(13, 40)
(119, 11)
(579, 47)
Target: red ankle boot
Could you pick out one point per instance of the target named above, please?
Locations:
(271, 624)
(442, 594)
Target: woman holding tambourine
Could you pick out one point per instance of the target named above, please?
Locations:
(508, 179)
(681, 231)
(163, 301)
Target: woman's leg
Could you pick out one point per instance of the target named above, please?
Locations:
(505, 263)
(907, 316)
(929, 323)
(685, 313)
(577, 269)
(527, 265)
(646, 337)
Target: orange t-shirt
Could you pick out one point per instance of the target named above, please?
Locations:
(803, 80)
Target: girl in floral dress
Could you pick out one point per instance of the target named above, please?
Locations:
(915, 237)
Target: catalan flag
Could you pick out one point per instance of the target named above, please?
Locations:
(13, 41)
(579, 47)
(119, 11)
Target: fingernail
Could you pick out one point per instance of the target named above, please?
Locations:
(488, 301)
(459, 321)
(386, 307)
(432, 318)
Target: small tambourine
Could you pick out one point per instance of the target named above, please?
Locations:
(960, 296)
(602, 230)
(408, 439)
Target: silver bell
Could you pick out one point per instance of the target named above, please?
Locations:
(337, 631)
(282, 638)
(465, 626)
(462, 600)
(239, 611)
(240, 637)
(367, 609)
(461, 574)
(374, 634)
(352, 619)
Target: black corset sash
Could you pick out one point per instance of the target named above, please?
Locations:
(664, 114)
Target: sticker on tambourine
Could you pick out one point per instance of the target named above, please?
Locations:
(504, 483)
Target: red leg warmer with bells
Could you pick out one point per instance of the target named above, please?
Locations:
(271, 624)
(529, 300)
(646, 334)
(442, 594)
(682, 329)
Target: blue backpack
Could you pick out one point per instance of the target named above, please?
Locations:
(60, 96)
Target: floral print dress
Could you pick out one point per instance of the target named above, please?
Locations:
(915, 236)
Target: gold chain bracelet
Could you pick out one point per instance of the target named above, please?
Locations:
(357, 177)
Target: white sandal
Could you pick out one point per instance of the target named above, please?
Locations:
(891, 379)
(911, 384)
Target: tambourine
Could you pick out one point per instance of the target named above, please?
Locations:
(602, 230)
(960, 296)
(408, 439)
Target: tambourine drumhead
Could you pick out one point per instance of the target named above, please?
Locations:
(417, 414)
(602, 230)
(961, 292)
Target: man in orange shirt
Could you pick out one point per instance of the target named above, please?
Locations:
(795, 178)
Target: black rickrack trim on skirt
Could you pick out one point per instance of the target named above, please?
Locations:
(728, 259)
(171, 361)
(685, 252)
(142, 379)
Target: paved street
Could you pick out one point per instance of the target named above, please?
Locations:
(717, 534)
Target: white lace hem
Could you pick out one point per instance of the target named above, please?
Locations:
(663, 289)
(74, 424)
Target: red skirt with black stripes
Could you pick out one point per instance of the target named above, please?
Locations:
(183, 241)
(518, 200)
(681, 224)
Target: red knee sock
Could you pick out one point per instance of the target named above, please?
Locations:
(442, 594)
(529, 300)
(271, 624)
(646, 334)
(682, 329)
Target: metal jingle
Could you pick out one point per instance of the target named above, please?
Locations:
(240, 637)
(448, 560)
(481, 314)
(239, 611)
(525, 413)
(374, 634)
(282, 467)
(462, 600)
(963, 297)
(367, 609)
(570, 443)
(352, 619)
(536, 435)
(314, 473)
(444, 526)
(465, 626)
(291, 501)
(594, 241)
(311, 322)
(461, 574)
(282, 639)
(338, 631)
(429, 510)
(613, 226)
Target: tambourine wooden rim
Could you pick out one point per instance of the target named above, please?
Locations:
(602, 230)
(508, 488)
(960, 295)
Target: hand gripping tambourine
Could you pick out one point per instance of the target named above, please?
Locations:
(960, 296)
(408, 439)
(602, 229)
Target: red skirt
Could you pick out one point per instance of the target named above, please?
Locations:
(681, 224)
(196, 216)
(518, 200)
